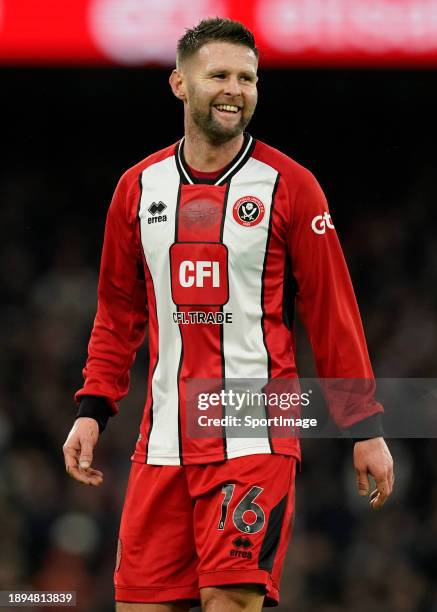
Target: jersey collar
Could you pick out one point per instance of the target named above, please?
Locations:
(228, 172)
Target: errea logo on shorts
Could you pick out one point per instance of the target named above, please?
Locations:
(321, 222)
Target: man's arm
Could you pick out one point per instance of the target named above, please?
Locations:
(118, 331)
(329, 312)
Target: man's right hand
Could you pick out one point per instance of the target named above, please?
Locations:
(78, 451)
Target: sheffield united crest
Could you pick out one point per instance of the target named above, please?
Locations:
(248, 211)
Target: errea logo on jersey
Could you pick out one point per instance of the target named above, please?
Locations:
(156, 210)
(321, 222)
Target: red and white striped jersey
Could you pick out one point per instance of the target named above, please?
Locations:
(215, 268)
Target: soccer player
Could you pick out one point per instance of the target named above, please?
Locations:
(210, 242)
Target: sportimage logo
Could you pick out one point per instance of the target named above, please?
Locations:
(248, 211)
(321, 222)
(156, 209)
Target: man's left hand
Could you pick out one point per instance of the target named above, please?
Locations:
(372, 457)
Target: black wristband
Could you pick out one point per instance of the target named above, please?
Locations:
(368, 428)
(96, 408)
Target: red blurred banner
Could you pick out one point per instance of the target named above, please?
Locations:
(288, 32)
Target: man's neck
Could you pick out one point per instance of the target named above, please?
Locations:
(204, 156)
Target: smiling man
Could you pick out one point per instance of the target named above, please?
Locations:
(210, 242)
(220, 114)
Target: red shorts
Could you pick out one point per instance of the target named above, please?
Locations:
(188, 527)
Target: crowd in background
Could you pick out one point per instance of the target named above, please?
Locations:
(59, 535)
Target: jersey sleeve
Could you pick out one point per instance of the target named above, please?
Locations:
(328, 309)
(120, 323)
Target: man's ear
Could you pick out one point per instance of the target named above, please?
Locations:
(177, 84)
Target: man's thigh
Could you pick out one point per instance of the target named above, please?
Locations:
(242, 521)
(180, 606)
(156, 560)
(247, 598)
(234, 598)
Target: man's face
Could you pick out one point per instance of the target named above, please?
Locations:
(221, 93)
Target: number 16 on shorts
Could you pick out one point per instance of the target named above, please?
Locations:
(248, 516)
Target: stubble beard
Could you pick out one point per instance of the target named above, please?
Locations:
(216, 133)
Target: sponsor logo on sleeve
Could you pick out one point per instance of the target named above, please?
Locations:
(321, 222)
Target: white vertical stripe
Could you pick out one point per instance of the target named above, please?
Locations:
(160, 183)
(245, 355)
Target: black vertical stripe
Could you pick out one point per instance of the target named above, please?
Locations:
(178, 203)
(273, 535)
(181, 360)
(222, 352)
(263, 276)
(156, 315)
(289, 294)
(225, 205)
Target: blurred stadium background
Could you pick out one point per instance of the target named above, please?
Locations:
(349, 89)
